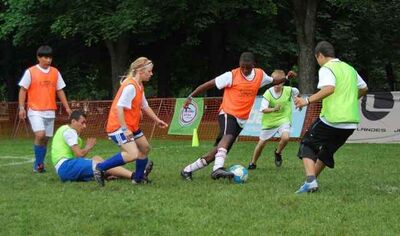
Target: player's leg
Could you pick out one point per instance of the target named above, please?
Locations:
(39, 125)
(285, 135)
(118, 171)
(143, 164)
(256, 154)
(231, 131)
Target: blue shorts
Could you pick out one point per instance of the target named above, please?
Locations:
(76, 169)
(119, 137)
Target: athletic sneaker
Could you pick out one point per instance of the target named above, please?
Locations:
(148, 169)
(278, 159)
(186, 175)
(221, 173)
(39, 168)
(99, 176)
(308, 187)
(142, 181)
(252, 166)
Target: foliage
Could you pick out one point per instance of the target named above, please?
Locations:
(359, 197)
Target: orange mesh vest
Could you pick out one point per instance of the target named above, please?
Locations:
(239, 98)
(132, 116)
(42, 90)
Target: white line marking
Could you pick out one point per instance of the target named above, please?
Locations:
(27, 159)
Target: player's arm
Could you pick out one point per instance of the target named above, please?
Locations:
(78, 152)
(21, 102)
(63, 98)
(269, 110)
(279, 80)
(154, 117)
(362, 86)
(200, 89)
(362, 92)
(321, 94)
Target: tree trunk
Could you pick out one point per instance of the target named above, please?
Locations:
(390, 76)
(305, 13)
(118, 51)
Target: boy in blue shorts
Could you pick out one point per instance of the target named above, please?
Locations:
(68, 153)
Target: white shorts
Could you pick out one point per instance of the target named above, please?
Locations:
(39, 123)
(119, 137)
(269, 133)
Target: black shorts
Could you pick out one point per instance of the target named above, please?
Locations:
(321, 141)
(228, 125)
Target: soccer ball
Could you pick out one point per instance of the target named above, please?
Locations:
(241, 173)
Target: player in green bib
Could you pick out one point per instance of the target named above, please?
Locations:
(340, 88)
(68, 152)
(276, 107)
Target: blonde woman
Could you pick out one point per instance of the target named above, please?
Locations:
(123, 124)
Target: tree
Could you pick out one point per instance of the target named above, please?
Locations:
(305, 13)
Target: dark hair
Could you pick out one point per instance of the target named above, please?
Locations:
(247, 57)
(44, 51)
(325, 48)
(75, 115)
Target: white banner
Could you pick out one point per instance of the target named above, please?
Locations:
(380, 119)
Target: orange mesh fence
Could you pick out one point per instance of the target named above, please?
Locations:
(97, 114)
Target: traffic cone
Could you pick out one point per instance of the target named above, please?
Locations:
(195, 138)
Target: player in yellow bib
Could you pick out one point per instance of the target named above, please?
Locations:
(69, 154)
(276, 107)
(340, 88)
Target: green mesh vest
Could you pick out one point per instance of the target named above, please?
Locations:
(284, 115)
(342, 105)
(59, 148)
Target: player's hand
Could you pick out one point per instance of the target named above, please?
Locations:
(187, 102)
(90, 143)
(128, 134)
(291, 74)
(68, 110)
(300, 102)
(162, 124)
(22, 113)
(277, 107)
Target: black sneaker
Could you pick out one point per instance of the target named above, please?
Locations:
(142, 181)
(252, 166)
(278, 159)
(221, 173)
(148, 169)
(99, 176)
(186, 175)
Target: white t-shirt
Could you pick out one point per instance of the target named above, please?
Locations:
(26, 83)
(225, 80)
(70, 137)
(265, 103)
(327, 78)
(127, 95)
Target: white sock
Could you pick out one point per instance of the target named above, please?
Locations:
(220, 158)
(197, 165)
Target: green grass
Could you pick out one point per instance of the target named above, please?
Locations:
(359, 197)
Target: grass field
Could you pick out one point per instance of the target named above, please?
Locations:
(361, 196)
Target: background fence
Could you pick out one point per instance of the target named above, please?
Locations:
(97, 113)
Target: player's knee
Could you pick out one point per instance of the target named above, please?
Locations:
(130, 155)
(40, 136)
(97, 159)
(146, 150)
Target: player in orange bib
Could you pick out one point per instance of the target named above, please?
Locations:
(41, 83)
(123, 124)
(240, 87)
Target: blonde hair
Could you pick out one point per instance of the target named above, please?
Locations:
(138, 64)
(278, 73)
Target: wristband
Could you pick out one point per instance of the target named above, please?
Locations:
(308, 100)
(190, 97)
(22, 107)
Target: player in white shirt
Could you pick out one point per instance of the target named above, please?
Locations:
(40, 84)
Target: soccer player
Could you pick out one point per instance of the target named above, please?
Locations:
(240, 90)
(123, 123)
(276, 107)
(68, 153)
(340, 88)
(41, 83)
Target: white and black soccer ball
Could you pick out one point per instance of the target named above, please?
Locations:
(240, 172)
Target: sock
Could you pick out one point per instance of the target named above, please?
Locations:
(140, 166)
(197, 165)
(111, 162)
(220, 158)
(310, 178)
(40, 154)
